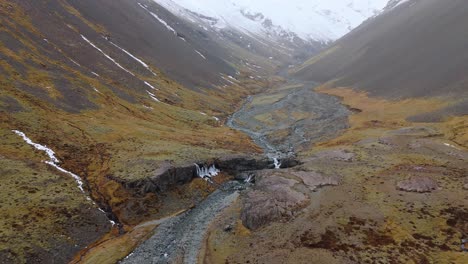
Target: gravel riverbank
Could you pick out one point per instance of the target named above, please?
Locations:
(180, 238)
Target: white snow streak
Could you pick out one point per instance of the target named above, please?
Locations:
(153, 96)
(76, 63)
(160, 20)
(134, 57)
(232, 78)
(107, 56)
(199, 53)
(96, 90)
(450, 145)
(53, 161)
(151, 86)
(227, 80)
(400, 3)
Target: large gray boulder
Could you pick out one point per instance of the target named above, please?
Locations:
(273, 199)
(420, 184)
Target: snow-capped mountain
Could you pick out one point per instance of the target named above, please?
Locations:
(312, 20)
(392, 4)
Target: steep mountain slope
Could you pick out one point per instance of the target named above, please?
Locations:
(398, 55)
(116, 95)
(285, 31)
(106, 105)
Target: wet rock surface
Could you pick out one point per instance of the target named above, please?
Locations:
(168, 175)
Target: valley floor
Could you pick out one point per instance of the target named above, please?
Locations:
(384, 190)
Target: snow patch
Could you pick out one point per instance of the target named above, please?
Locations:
(159, 19)
(450, 145)
(309, 20)
(153, 96)
(96, 90)
(151, 86)
(227, 80)
(76, 63)
(107, 56)
(201, 55)
(133, 57)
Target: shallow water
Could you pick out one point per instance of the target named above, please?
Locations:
(294, 119)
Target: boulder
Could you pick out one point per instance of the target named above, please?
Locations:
(420, 184)
(163, 178)
(314, 180)
(272, 200)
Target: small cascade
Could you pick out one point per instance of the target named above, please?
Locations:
(54, 162)
(206, 172)
(277, 163)
(250, 179)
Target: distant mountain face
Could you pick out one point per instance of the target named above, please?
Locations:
(314, 20)
(416, 48)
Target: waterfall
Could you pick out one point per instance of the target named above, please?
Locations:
(250, 178)
(206, 172)
(277, 163)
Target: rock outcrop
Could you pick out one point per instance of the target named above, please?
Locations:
(314, 180)
(418, 184)
(273, 199)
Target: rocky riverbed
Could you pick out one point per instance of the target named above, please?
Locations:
(290, 117)
(179, 239)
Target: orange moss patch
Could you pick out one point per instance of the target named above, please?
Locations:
(219, 244)
(373, 116)
(456, 129)
(113, 247)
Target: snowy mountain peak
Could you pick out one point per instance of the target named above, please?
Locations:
(312, 20)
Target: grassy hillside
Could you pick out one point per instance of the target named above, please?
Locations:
(112, 109)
